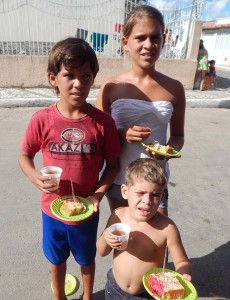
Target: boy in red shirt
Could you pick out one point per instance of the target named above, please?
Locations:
(73, 135)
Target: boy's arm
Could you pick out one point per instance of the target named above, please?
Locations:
(106, 243)
(106, 180)
(103, 248)
(26, 163)
(177, 251)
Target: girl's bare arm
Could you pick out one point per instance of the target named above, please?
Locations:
(176, 139)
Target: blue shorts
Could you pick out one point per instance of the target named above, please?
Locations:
(114, 193)
(114, 292)
(60, 239)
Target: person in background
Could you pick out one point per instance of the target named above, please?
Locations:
(212, 72)
(73, 135)
(202, 67)
(150, 233)
(169, 44)
(143, 101)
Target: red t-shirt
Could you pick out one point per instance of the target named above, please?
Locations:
(78, 146)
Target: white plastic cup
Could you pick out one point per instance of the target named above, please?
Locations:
(122, 231)
(55, 175)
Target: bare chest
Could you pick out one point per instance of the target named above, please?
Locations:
(146, 247)
(151, 92)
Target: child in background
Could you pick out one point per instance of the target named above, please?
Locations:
(150, 233)
(211, 77)
(143, 101)
(77, 137)
(212, 73)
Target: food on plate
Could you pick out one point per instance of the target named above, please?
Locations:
(72, 207)
(161, 148)
(166, 285)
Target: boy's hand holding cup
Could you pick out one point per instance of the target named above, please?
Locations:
(121, 232)
(53, 175)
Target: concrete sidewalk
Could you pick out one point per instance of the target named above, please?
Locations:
(38, 97)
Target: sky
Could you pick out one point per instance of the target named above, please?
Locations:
(212, 9)
(216, 9)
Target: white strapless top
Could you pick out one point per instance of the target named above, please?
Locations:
(155, 115)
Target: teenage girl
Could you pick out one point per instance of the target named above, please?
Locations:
(143, 101)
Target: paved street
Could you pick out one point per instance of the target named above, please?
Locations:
(199, 204)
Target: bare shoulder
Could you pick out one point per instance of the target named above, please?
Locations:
(173, 86)
(111, 82)
(110, 90)
(203, 51)
(171, 83)
(161, 221)
(120, 212)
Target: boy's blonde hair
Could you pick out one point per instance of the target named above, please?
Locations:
(147, 169)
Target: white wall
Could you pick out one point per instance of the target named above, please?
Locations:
(217, 42)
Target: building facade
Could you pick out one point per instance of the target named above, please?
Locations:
(216, 36)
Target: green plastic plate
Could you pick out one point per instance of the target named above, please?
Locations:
(190, 291)
(56, 208)
(152, 148)
(71, 285)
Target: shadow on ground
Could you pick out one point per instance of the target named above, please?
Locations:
(96, 296)
(211, 273)
(223, 83)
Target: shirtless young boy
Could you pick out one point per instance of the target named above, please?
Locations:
(150, 233)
